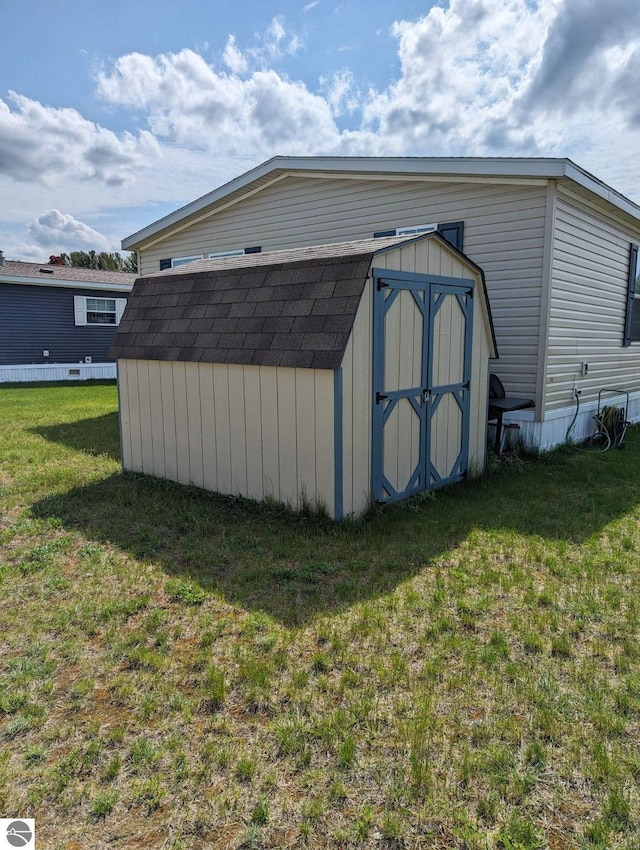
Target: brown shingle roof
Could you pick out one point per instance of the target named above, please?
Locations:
(52, 273)
(281, 308)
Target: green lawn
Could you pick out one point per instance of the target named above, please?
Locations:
(183, 670)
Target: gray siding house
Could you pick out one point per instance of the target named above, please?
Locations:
(57, 322)
(557, 246)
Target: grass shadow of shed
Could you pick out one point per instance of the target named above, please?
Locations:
(295, 568)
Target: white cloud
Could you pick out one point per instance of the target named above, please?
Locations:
(517, 77)
(477, 77)
(309, 6)
(55, 228)
(54, 232)
(189, 102)
(277, 41)
(233, 58)
(48, 145)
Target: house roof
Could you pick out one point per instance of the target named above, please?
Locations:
(282, 308)
(48, 274)
(494, 168)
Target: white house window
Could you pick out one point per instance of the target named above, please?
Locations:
(172, 262)
(98, 311)
(182, 261)
(235, 252)
(416, 228)
(239, 252)
(452, 231)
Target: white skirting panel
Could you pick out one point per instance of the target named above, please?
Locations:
(56, 372)
(552, 432)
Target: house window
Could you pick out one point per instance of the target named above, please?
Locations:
(170, 263)
(98, 311)
(182, 261)
(452, 231)
(632, 322)
(236, 252)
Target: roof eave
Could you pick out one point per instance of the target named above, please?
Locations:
(66, 283)
(543, 168)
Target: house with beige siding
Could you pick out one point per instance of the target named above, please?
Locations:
(557, 246)
(330, 376)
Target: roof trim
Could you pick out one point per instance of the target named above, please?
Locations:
(542, 168)
(67, 284)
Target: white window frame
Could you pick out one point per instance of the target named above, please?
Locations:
(234, 252)
(182, 261)
(80, 310)
(416, 228)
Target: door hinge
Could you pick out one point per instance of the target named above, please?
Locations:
(380, 397)
(380, 284)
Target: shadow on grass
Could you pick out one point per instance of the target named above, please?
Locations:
(96, 436)
(293, 567)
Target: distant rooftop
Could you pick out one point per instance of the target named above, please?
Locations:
(51, 273)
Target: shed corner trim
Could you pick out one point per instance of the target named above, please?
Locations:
(338, 451)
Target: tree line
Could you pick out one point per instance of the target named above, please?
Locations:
(108, 261)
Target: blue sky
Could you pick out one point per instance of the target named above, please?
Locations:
(114, 113)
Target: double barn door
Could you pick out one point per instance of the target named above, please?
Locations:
(422, 343)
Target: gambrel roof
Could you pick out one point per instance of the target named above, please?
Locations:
(292, 308)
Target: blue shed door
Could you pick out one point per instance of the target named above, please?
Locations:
(422, 342)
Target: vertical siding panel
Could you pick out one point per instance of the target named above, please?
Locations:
(126, 422)
(207, 409)
(269, 431)
(144, 395)
(169, 421)
(350, 436)
(182, 423)
(362, 383)
(306, 434)
(157, 412)
(134, 412)
(192, 385)
(324, 444)
(237, 429)
(253, 432)
(287, 449)
(223, 435)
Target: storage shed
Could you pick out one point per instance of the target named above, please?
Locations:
(331, 376)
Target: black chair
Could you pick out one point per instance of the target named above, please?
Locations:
(500, 403)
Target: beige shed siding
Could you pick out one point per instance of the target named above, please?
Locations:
(253, 430)
(426, 258)
(588, 303)
(504, 235)
(357, 384)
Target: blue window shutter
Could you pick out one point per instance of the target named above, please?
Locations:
(631, 326)
(453, 232)
(165, 264)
